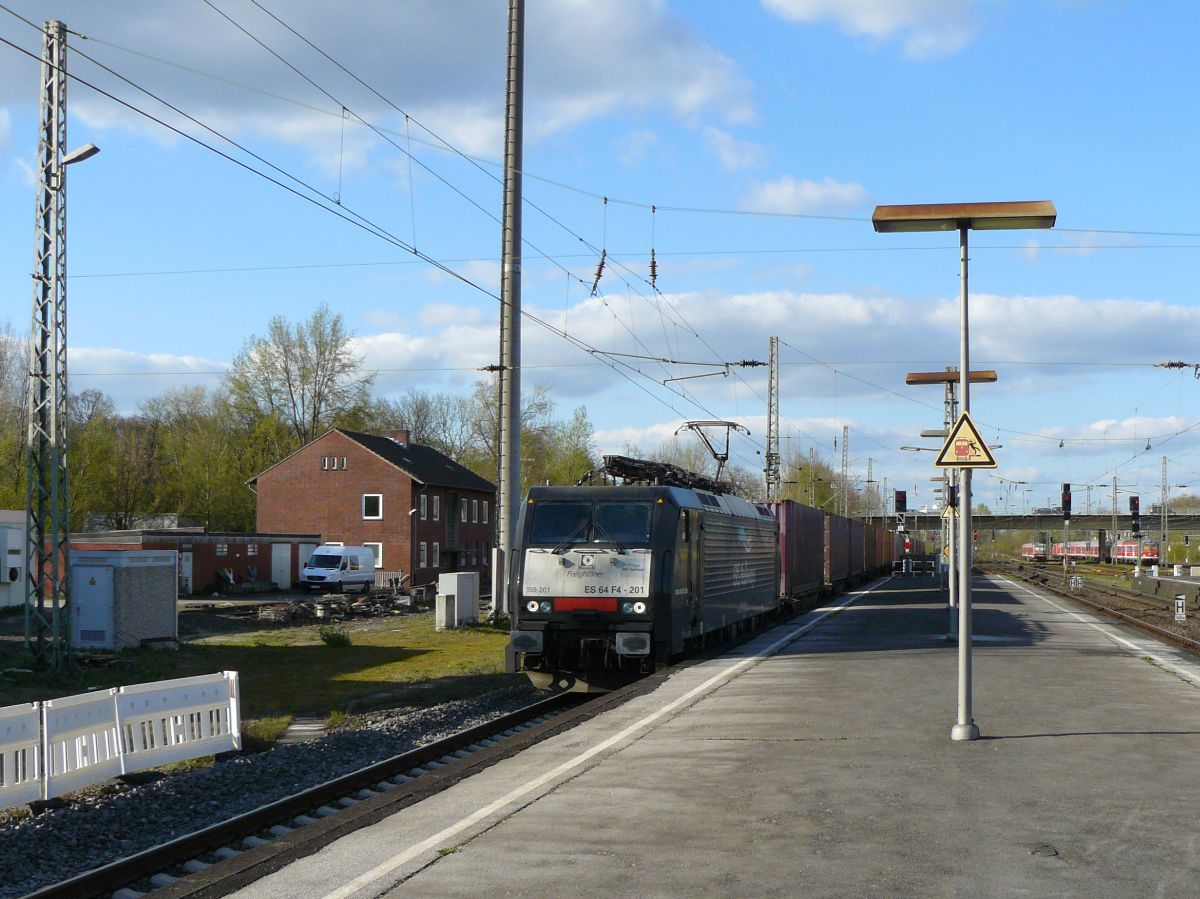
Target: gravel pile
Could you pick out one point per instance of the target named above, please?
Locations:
(111, 821)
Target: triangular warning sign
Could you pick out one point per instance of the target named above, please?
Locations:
(965, 448)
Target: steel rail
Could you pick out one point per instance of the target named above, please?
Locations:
(1169, 636)
(135, 868)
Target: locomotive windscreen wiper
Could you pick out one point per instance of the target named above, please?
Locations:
(567, 540)
(609, 537)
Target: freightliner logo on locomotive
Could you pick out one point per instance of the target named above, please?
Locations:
(591, 572)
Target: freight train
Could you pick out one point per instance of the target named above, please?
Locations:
(612, 582)
(1097, 549)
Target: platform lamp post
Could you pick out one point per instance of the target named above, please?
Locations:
(964, 217)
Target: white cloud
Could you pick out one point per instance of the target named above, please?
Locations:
(733, 153)
(632, 149)
(787, 195)
(447, 313)
(927, 28)
(439, 61)
(132, 378)
(24, 171)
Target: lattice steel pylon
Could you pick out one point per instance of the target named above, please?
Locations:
(47, 517)
(772, 470)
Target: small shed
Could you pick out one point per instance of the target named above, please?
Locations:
(120, 599)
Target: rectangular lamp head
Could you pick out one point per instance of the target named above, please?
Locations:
(978, 376)
(1021, 214)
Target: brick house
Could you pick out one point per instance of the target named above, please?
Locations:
(419, 510)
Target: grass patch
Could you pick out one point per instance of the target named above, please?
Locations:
(260, 733)
(290, 671)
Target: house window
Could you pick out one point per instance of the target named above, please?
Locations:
(372, 505)
(437, 508)
(437, 556)
(424, 558)
(252, 549)
(343, 463)
(475, 511)
(424, 506)
(377, 551)
(222, 549)
(324, 463)
(485, 511)
(463, 513)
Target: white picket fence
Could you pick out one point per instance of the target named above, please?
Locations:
(53, 747)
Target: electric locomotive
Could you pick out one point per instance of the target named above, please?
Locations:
(611, 582)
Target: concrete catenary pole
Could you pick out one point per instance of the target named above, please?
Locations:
(509, 413)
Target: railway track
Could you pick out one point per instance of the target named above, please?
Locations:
(215, 860)
(1151, 614)
(221, 858)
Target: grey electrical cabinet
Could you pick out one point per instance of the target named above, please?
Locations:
(121, 598)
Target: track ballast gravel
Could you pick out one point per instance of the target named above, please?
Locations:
(113, 820)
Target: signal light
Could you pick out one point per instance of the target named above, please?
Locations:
(1066, 500)
(1135, 511)
(901, 501)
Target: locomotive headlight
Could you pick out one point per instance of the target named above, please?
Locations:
(546, 606)
(627, 608)
(532, 605)
(639, 608)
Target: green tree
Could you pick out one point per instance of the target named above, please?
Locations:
(13, 380)
(443, 421)
(306, 375)
(91, 418)
(203, 459)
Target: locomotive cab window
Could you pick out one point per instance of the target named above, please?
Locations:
(626, 523)
(555, 523)
(570, 523)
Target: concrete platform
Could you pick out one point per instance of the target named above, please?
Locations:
(817, 761)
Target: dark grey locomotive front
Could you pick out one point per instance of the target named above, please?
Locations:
(611, 582)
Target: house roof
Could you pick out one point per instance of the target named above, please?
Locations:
(423, 463)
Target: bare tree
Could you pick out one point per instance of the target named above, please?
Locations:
(307, 375)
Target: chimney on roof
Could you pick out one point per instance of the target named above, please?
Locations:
(400, 436)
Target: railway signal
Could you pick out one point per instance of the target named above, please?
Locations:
(1135, 512)
(1066, 501)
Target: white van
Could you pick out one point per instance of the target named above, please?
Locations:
(339, 568)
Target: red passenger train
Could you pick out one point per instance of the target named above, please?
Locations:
(1093, 550)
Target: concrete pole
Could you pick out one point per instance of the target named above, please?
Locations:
(509, 468)
(965, 728)
(951, 536)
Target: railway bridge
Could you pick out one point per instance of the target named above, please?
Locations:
(1150, 523)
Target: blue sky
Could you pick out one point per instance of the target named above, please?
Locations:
(761, 133)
